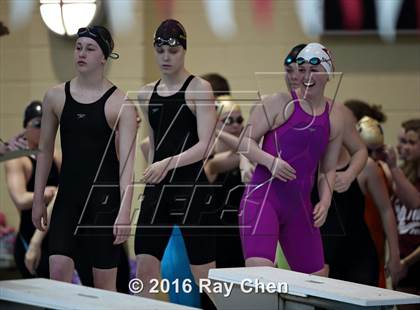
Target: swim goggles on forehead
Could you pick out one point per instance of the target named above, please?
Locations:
(313, 61)
(289, 60)
(171, 42)
(85, 30)
(89, 31)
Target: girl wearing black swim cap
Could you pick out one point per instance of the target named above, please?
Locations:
(181, 115)
(86, 217)
(290, 67)
(94, 46)
(170, 44)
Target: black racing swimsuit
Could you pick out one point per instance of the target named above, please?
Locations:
(88, 198)
(348, 247)
(228, 197)
(183, 197)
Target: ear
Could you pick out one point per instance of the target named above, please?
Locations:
(103, 61)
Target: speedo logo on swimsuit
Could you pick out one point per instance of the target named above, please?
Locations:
(80, 115)
(154, 110)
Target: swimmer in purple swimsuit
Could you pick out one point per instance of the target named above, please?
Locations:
(298, 135)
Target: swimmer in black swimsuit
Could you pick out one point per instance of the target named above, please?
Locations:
(89, 213)
(181, 117)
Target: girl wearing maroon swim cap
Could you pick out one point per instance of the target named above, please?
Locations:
(181, 117)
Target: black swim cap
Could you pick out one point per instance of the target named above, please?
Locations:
(33, 110)
(171, 29)
(291, 57)
(102, 36)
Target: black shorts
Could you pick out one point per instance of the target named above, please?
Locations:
(352, 258)
(229, 252)
(188, 206)
(85, 226)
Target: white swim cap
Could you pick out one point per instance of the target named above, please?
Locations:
(316, 54)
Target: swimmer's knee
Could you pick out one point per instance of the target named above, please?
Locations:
(324, 272)
(258, 261)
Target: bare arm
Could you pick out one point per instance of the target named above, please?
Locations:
(247, 169)
(357, 149)
(127, 128)
(17, 142)
(354, 144)
(412, 258)
(151, 153)
(144, 96)
(206, 123)
(39, 235)
(376, 186)
(144, 147)
(327, 170)
(16, 185)
(403, 189)
(231, 141)
(49, 126)
(261, 121)
(220, 163)
(258, 125)
(34, 251)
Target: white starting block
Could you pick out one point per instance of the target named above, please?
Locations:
(50, 294)
(264, 288)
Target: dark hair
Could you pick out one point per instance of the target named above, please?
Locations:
(33, 110)
(411, 124)
(219, 84)
(361, 109)
(3, 29)
(410, 167)
(291, 57)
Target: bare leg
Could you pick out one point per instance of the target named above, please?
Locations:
(105, 279)
(323, 272)
(148, 268)
(202, 272)
(61, 268)
(258, 261)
